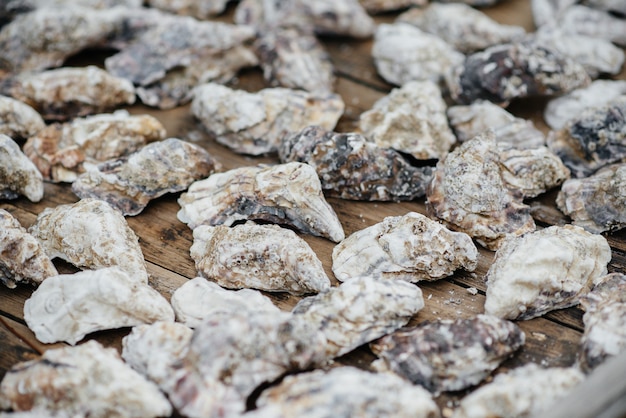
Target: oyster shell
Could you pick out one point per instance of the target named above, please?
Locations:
(605, 321)
(254, 123)
(130, 182)
(62, 152)
(544, 270)
(199, 299)
(22, 259)
(504, 72)
(350, 167)
(595, 138)
(264, 257)
(69, 306)
(448, 355)
(470, 194)
(360, 310)
(411, 119)
(582, 20)
(561, 109)
(466, 29)
(200, 9)
(90, 234)
(345, 391)
(18, 120)
(86, 380)
(381, 6)
(548, 11)
(410, 247)
(404, 53)
(18, 175)
(288, 194)
(522, 392)
(596, 203)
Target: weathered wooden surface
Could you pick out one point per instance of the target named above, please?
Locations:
(552, 340)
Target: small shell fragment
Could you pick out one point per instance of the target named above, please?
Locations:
(130, 183)
(264, 257)
(404, 53)
(254, 123)
(579, 19)
(449, 355)
(22, 258)
(410, 247)
(90, 234)
(351, 167)
(200, 9)
(288, 194)
(18, 120)
(544, 270)
(412, 120)
(86, 380)
(18, 175)
(199, 299)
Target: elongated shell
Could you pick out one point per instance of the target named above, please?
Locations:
(18, 120)
(18, 175)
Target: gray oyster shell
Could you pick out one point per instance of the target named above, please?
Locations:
(410, 247)
(129, 183)
(18, 120)
(288, 194)
(351, 167)
(200, 9)
(254, 123)
(448, 355)
(22, 258)
(263, 257)
(544, 270)
(579, 19)
(382, 6)
(18, 175)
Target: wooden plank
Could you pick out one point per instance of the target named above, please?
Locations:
(14, 349)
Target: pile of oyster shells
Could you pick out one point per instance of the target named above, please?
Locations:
(443, 135)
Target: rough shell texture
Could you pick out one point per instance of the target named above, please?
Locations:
(523, 392)
(129, 183)
(360, 310)
(68, 92)
(404, 53)
(200, 9)
(449, 355)
(22, 259)
(381, 6)
(199, 299)
(411, 119)
(595, 23)
(544, 270)
(87, 380)
(469, 193)
(296, 59)
(264, 257)
(605, 321)
(288, 194)
(351, 167)
(561, 109)
(598, 202)
(410, 247)
(18, 120)
(595, 138)
(504, 72)
(466, 29)
(90, 234)
(345, 392)
(548, 11)
(69, 306)
(254, 123)
(62, 152)
(18, 175)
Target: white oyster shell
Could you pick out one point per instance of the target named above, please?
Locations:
(358, 311)
(254, 123)
(548, 11)
(22, 259)
(579, 19)
(199, 299)
(18, 175)
(410, 247)
(404, 53)
(86, 380)
(544, 270)
(90, 234)
(288, 193)
(18, 120)
(522, 392)
(263, 257)
(411, 119)
(69, 306)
